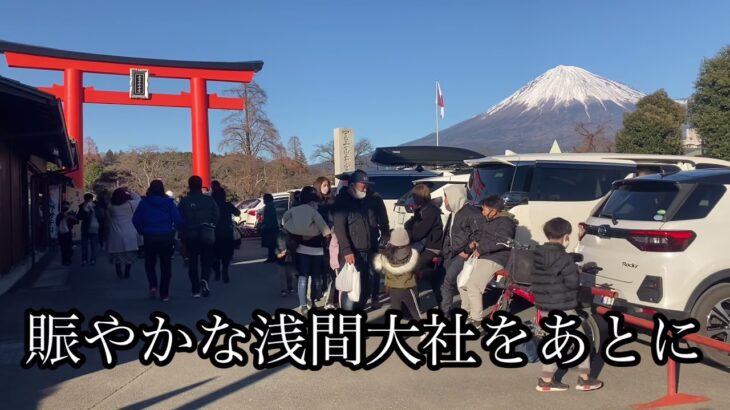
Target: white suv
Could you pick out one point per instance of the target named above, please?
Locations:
(659, 241)
(539, 187)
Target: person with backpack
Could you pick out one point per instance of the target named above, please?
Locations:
(305, 222)
(89, 230)
(200, 213)
(492, 253)
(224, 241)
(555, 283)
(155, 219)
(398, 262)
(462, 228)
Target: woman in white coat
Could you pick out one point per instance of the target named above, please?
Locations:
(122, 240)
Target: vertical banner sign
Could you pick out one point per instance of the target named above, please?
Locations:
(139, 84)
(344, 150)
(54, 204)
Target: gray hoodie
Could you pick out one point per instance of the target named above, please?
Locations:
(463, 225)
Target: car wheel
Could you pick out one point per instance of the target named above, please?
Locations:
(595, 328)
(712, 310)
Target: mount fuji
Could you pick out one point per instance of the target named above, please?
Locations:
(547, 108)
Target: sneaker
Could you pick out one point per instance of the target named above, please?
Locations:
(552, 385)
(330, 306)
(165, 299)
(375, 304)
(588, 385)
(284, 293)
(196, 295)
(477, 324)
(204, 288)
(291, 291)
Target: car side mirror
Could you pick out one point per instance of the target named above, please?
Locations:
(514, 198)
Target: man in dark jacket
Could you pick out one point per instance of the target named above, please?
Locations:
(462, 228)
(493, 253)
(555, 282)
(358, 217)
(200, 213)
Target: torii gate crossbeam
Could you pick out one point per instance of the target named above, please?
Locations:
(73, 93)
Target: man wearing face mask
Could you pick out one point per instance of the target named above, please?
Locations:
(493, 253)
(359, 223)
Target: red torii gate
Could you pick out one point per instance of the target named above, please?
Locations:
(74, 94)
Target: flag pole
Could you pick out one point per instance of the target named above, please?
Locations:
(438, 113)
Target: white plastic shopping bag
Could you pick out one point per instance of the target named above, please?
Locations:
(466, 271)
(354, 293)
(343, 282)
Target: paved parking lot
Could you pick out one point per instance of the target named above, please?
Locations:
(191, 382)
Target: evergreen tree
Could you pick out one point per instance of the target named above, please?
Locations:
(709, 107)
(654, 128)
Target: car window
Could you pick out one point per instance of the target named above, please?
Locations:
(394, 186)
(493, 179)
(248, 204)
(647, 201)
(575, 182)
(700, 202)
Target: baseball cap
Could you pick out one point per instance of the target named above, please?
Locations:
(359, 176)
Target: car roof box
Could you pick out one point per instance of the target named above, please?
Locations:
(423, 156)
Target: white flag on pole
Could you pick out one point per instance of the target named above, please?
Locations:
(439, 100)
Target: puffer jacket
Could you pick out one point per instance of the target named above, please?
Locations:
(463, 225)
(495, 232)
(351, 223)
(156, 215)
(397, 277)
(426, 226)
(555, 278)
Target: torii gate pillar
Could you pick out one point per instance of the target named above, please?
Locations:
(73, 93)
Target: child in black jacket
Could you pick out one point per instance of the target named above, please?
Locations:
(555, 281)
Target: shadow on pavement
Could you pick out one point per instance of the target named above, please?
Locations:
(162, 397)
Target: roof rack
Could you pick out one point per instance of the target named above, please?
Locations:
(420, 156)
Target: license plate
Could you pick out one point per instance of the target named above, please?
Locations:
(603, 300)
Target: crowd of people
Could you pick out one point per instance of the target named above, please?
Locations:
(324, 233)
(200, 227)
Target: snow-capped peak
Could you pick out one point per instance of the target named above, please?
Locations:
(564, 85)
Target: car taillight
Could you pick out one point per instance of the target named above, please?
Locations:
(581, 230)
(661, 241)
(252, 212)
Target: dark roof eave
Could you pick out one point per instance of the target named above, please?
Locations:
(7, 46)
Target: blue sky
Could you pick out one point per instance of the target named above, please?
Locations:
(369, 65)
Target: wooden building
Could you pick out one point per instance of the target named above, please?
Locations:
(33, 140)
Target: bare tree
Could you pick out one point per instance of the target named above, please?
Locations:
(91, 150)
(594, 139)
(250, 131)
(294, 149)
(362, 148)
(325, 153)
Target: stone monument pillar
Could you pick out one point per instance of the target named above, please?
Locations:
(344, 150)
